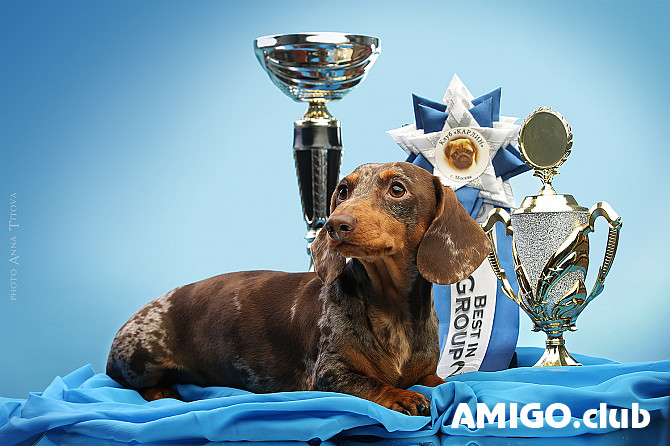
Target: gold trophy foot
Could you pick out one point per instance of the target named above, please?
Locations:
(556, 354)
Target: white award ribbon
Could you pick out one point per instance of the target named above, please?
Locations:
(473, 305)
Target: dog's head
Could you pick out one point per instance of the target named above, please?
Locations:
(460, 153)
(399, 209)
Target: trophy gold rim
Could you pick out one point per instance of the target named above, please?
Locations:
(526, 153)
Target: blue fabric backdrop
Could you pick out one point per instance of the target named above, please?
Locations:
(89, 405)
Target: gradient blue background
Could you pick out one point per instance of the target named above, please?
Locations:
(148, 149)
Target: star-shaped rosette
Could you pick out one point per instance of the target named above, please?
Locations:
(459, 108)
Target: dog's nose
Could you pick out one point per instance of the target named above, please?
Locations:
(340, 226)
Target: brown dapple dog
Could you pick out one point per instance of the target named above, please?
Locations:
(365, 327)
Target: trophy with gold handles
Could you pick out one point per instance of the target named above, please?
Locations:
(316, 68)
(550, 240)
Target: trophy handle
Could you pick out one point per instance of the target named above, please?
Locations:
(502, 216)
(602, 209)
(572, 255)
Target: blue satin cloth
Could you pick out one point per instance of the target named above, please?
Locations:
(93, 406)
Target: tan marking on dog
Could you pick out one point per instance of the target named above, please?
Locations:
(393, 336)
(375, 232)
(352, 177)
(387, 174)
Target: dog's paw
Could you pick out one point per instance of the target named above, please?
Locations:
(406, 401)
(156, 393)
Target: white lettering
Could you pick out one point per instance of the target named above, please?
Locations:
(484, 415)
(13, 251)
(513, 418)
(463, 415)
(556, 415)
(549, 415)
(537, 420)
(588, 415)
(636, 412)
(603, 415)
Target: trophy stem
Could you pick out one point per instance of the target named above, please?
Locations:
(547, 189)
(556, 354)
(317, 151)
(317, 110)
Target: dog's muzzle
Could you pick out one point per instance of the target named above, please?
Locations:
(339, 227)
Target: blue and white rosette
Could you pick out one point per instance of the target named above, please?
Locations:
(479, 325)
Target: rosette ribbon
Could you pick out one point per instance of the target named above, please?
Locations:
(479, 326)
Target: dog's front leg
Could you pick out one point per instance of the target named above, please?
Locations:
(402, 400)
(431, 381)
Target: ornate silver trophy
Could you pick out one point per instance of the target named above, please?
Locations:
(550, 240)
(316, 68)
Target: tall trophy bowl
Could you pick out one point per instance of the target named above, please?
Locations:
(316, 68)
(550, 245)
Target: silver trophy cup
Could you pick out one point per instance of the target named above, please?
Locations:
(550, 240)
(316, 68)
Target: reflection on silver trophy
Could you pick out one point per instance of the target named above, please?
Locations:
(316, 68)
(550, 240)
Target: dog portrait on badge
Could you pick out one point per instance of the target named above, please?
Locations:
(460, 153)
(363, 323)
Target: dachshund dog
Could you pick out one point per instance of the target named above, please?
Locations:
(460, 153)
(364, 326)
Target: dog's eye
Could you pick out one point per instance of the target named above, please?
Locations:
(397, 190)
(342, 193)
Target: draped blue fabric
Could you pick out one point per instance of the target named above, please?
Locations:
(94, 406)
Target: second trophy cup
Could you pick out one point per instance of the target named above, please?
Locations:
(316, 68)
(550, 245)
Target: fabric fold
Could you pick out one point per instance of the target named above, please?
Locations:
(93, 405)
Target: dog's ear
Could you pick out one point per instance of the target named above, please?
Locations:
(454, 244)
(448, 148)
(328, 264)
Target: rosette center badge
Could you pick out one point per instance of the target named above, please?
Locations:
(462, 154)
